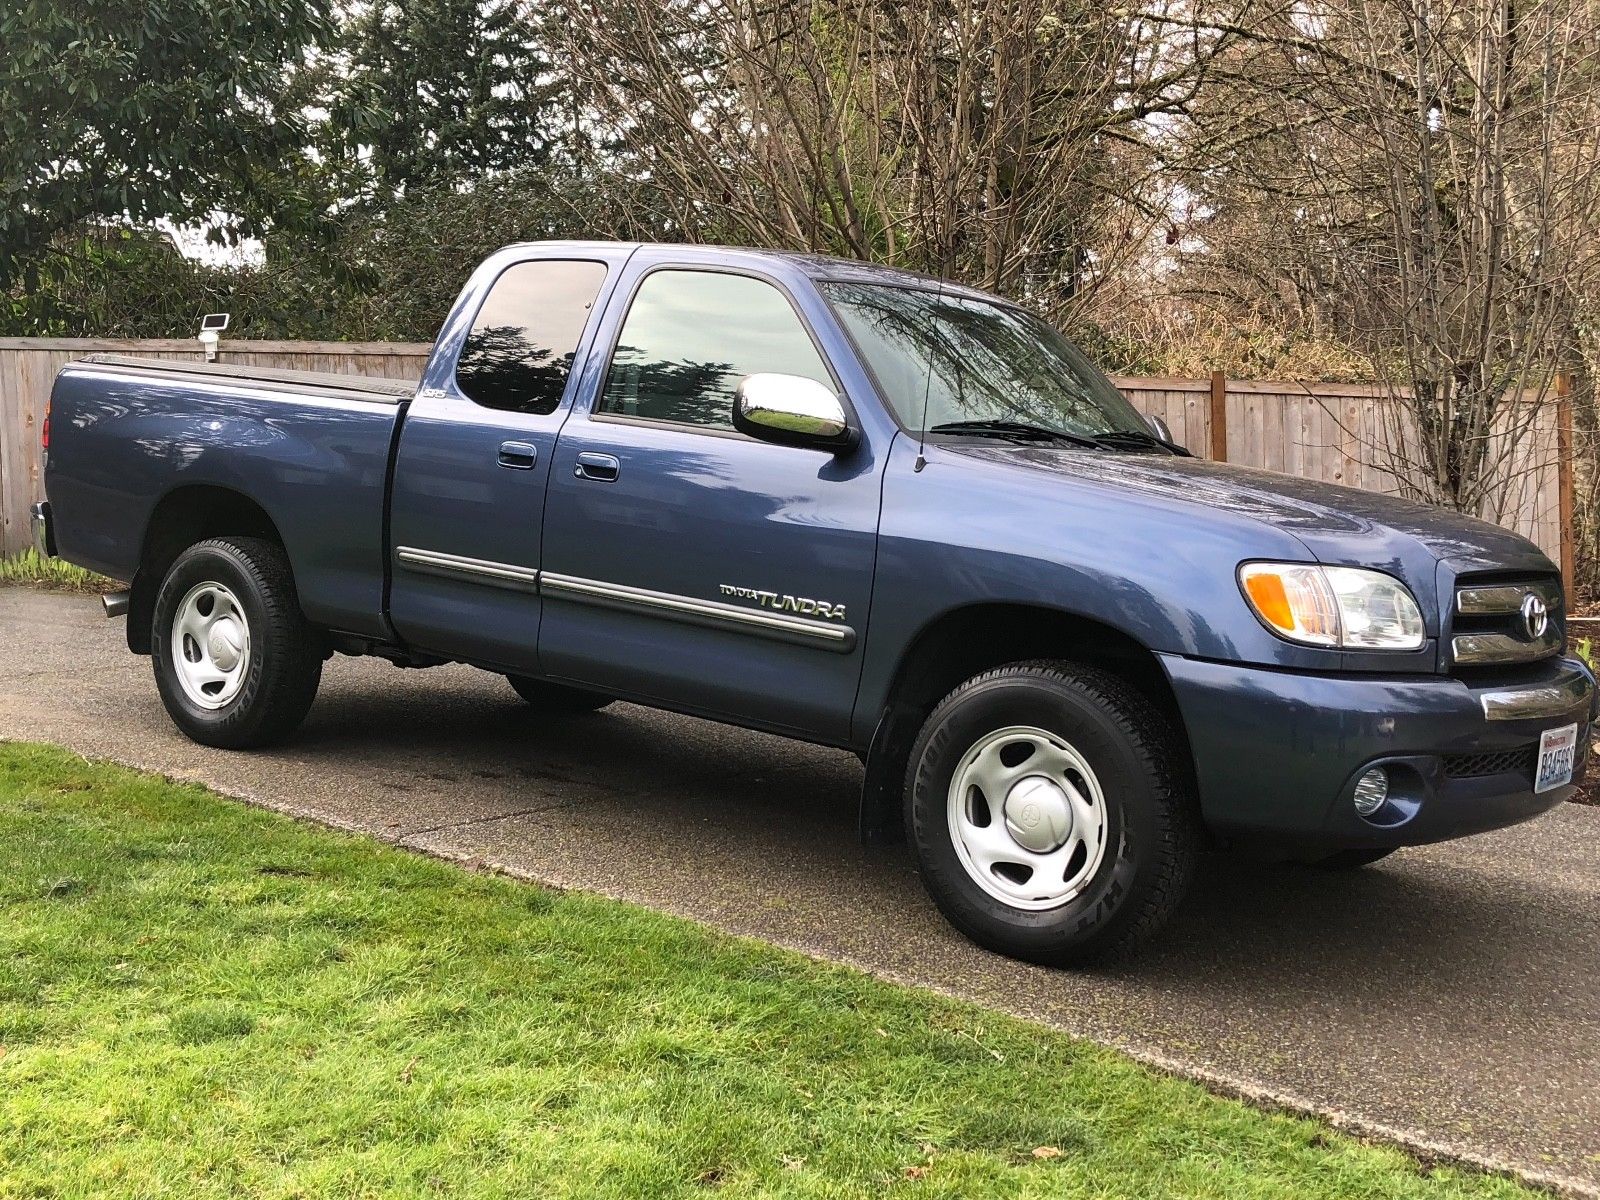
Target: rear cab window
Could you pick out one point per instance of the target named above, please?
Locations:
(519, 352)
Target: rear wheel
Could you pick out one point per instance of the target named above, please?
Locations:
(236, 663)
(555, 699)
(1049, 813)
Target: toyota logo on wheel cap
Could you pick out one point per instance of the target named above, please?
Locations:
(1535, 616)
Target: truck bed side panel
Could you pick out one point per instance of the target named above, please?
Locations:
(316, 463)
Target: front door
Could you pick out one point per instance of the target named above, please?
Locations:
(691, 565)
(474, 461)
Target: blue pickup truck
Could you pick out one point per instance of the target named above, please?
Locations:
(850, 505)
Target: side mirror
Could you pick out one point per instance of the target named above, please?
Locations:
(792, 411)
(1159, 427)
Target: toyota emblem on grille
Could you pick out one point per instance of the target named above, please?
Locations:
(1535, 616)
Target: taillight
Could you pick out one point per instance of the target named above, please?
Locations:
(44, 431)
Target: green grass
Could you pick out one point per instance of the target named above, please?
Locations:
(198, 998)
(30, 567)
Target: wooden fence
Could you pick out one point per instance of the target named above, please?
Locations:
(1317, 431)
(1336, 432)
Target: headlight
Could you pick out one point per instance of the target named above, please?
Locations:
(1343, 607)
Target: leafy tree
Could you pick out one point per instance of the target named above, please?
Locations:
(142, 109)
(73, 293)
(393, 272)
(429, 93)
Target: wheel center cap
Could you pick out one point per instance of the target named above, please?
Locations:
(224, 645)
(1038, 814)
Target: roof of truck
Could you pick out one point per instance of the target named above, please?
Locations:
(817, 266)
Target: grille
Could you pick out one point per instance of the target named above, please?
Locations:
(1498, 762)
(1491, 626)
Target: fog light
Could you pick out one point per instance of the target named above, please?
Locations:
(1372, 789)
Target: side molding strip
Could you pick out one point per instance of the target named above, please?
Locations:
(479, 570)
(713, 613)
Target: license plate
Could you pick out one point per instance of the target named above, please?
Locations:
(1556, 751)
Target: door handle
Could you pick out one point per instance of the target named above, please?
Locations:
(519, 456)
(603, 468)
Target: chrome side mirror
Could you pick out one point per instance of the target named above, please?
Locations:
(791, 410)
(1159, 427)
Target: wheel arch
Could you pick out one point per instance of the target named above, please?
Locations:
(185, 515)
(962, 642)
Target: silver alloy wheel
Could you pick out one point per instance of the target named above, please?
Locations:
(210, 645)
(1027, 817)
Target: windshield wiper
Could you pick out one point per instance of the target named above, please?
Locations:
(1016, 431)
(1138, 437)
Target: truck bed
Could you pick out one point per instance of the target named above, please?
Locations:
(310, 449)
(362, 387)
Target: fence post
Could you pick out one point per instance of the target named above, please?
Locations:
(1564, 486)
(1219, 417)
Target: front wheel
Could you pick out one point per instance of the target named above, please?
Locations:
(236, 663)
(1050, 814)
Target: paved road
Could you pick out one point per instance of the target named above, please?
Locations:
(1450, 996)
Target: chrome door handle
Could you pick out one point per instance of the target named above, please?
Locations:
(603, 468)
(519, 456)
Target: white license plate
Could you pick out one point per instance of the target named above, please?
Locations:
(1556, 751)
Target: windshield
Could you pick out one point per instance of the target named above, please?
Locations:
(989, 362)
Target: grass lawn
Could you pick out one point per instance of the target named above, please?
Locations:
(201, 999)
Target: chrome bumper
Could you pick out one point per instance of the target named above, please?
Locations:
(44, 538)
(1573, 691)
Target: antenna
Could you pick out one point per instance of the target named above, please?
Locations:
(927, 386)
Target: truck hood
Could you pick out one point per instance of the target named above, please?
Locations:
(1337, 525)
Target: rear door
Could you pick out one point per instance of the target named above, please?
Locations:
(684, 562)
(469, 479)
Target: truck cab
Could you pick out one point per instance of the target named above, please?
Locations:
(627, 489)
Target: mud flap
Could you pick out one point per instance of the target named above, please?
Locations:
(881, 818)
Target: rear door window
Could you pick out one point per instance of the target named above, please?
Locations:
(519, 353)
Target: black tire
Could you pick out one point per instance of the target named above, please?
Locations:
(555, 699)
(285, 659)
(1350, 860)
(1151, 827)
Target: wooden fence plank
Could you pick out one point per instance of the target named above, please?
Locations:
(1217, 417)
(1273, 426)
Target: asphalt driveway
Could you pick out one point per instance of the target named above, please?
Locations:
(1449, 996)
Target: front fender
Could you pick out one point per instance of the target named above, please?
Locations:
(963, 532)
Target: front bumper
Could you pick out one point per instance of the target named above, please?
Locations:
(44, 534)
(1277, 753)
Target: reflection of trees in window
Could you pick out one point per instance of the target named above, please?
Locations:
(695, 393)
(977, 361)
(521, 348)
(502, 367)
